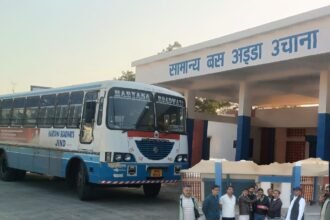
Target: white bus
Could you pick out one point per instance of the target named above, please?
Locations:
(112, 133)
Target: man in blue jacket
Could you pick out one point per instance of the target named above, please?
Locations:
(211, 205)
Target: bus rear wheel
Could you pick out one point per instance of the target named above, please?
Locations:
(6, 173)
(84, 188)
(151, 190)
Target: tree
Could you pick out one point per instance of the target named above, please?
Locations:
(126, 76)
(210, 105)
(172, 47)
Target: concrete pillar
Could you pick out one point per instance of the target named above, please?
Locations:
(189, 96)
(285, 194)
(280, 145)
(243, 123)
(296, 175)
(218, 176)
(323, 129)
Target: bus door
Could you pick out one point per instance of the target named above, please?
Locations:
(88, 118)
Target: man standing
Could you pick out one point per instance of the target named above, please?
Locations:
(325, 196)
(252, 197)
(270, 194)
(275, 207)
(211, 207)
(261, 206)
(244, 205)
(228, 202)
(297, 206)
(187, 204)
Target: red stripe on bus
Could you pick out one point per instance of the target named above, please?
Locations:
(149, 134)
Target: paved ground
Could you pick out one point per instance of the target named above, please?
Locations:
(40, 198)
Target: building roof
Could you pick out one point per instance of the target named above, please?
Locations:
(262, 29)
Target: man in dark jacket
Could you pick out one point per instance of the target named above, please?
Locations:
(261, 206)
(270, 195)
(252, 196)
(244, 204)
(211, 205)
(275, 206)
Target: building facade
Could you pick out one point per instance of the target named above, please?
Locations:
(278, 73)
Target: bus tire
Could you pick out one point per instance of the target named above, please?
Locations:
(151, 190)
(20, 175)
(6, 173)
(84, 188)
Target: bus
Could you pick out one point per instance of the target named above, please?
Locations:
(109, 133)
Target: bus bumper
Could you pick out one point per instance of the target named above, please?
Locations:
(137, 174)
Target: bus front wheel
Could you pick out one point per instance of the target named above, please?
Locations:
(151, 190)
(84, 188)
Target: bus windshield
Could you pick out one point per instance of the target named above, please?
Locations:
(130, 109)
(170, 113)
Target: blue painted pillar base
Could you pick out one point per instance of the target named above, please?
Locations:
(218, 176)
(296, 176)
(323, 136)
(243, 138)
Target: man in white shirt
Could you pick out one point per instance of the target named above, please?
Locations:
(187, 204)
(297, 206)
(228, 202)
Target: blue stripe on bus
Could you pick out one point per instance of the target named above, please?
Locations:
(54, 163)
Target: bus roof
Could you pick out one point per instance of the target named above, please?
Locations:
(94, 86)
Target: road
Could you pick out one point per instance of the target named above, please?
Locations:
(39, 197)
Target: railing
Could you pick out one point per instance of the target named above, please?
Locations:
(307, 185)
(195, 181)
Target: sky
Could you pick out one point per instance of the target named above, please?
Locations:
(65, 42)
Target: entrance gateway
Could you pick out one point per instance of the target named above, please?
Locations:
(278, 73)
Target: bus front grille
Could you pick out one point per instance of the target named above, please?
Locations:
(155, 149)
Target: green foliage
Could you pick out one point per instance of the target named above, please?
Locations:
(126, 76)
(209, 105)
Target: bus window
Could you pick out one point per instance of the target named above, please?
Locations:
(47, 111)
(75, 109)
(18, 112)
(61, 110)
(130, 109)
(100, 113)
(170, 113)
(88, 119)
(31, 111)
(5, 112)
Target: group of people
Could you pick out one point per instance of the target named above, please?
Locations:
(253, 205)
(258, 206)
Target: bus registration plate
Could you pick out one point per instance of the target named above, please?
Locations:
(156, 173)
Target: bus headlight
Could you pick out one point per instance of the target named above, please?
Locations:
(118, 157)
(127, 157)
(181, 158)
(123, 157)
